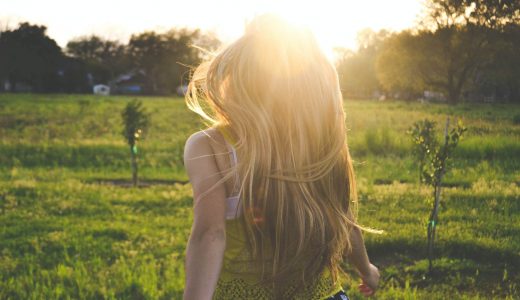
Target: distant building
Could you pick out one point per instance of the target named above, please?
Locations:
(101, 89)
(19, 87)
(433, 96)
(7, 86)
(132, 82)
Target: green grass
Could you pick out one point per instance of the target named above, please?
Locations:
(66, 233)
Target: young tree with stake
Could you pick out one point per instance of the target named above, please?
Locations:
(136, 121)
(432, 165)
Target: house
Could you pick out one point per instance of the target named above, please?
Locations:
(19, 87)
(101, 89)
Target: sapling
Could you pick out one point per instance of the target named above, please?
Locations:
(432, 165)
(135, 121)
(423, 135)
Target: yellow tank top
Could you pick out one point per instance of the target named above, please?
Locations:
(239, 277)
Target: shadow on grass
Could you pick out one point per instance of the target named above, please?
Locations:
(447, 184)
(403, 251)
(143, 183)
(158, 206)
(458, 267)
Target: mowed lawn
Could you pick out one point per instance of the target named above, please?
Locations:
(71, 228)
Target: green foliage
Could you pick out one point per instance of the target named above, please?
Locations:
(29, 56)
(423, 136)
(456, 39)
(66, 235)
(135, 121)
(478, 13)
(432, 164)
(440, 157)
(397, 64)
(166, 58)
(104, 59)
(441, 61)
(356, 70)
(432, 157)
(32, 60)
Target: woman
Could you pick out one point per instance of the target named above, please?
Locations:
(272, 178)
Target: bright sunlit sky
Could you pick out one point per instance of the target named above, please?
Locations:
(334, 22)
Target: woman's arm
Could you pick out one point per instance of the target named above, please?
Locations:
(207, 241)
(359, 258)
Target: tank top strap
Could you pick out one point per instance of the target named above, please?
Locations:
(234, 162)
(233, 151)
(233, 202)
(233, 156)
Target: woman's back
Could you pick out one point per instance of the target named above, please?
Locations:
(276, 99)
(240, 277)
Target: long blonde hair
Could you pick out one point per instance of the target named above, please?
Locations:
(278, 96)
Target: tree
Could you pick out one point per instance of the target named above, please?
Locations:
(444, 60)
(471, 28)
(147, 53)
(423, 136)
(499, 77)
(136, 121)
(104, 59)
(28, 55)
(455, 40)
(493, 14)
(433, 159)
(357, 69)
(74, 78)
(166, 58)
(397, 65)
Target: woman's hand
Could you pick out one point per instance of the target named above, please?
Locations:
(370, 282)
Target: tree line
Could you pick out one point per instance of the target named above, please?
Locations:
(30, 59)
(461, 50)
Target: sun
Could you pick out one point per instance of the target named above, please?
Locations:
(335, 23)
(327, 19)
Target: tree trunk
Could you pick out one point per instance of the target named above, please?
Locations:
(452, 90)
(432, 224)
(453, 95)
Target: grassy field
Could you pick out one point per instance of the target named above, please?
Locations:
(70, 230)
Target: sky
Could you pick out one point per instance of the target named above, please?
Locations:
(334, 22)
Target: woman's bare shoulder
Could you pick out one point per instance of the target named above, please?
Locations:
(205, 142)
(210, 135)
